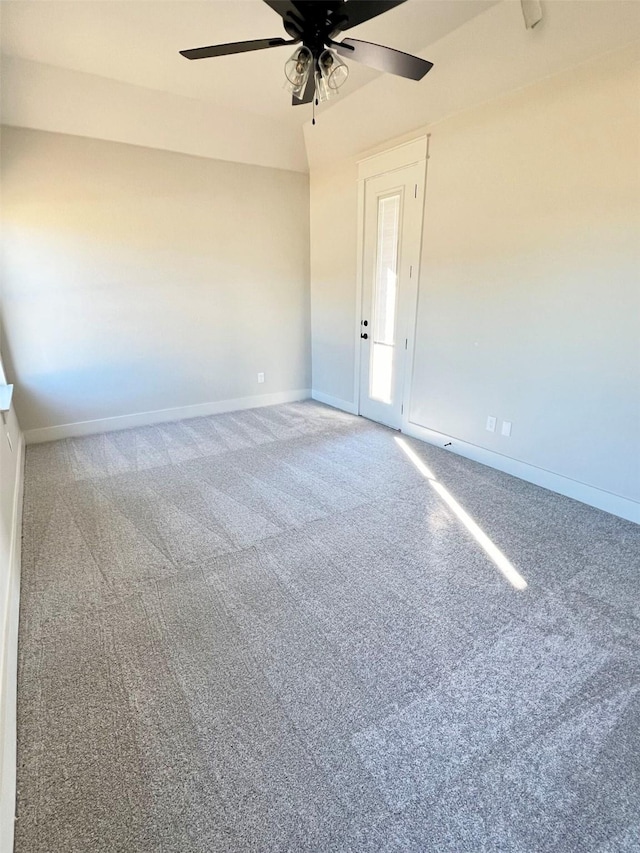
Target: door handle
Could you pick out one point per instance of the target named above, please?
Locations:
(365, 336)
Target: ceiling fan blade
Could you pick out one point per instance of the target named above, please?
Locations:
(282, 7)
(293, 17)
(234, 47)
(384, 58)
(358, 11)
(308, 94)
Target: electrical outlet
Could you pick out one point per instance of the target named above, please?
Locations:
(261, 377)
(506, 428)
(491, 423)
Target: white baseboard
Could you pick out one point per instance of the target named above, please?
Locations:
(9, 668)
(335, 402)
(53, 433)
(599, 498)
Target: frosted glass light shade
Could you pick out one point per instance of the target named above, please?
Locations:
(333, 71)
(297, 69)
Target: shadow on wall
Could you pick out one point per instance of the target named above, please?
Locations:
(89, 391)
(6, 360)
(43, 392)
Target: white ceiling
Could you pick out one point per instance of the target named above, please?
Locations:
(137, 42)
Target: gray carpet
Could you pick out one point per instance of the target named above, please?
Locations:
(267, 631)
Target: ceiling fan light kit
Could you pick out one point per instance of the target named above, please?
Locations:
(315, 72)
(297, 69)
(332, 73)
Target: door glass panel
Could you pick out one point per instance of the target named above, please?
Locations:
(385, 299)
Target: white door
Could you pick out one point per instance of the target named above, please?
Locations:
(392, 223)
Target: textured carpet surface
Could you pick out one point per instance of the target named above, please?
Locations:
(267, 631)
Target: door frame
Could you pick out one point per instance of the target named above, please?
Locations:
(414, 152)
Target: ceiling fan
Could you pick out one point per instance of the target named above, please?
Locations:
(315, 70)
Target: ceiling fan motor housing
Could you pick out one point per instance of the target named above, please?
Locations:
(316, 25)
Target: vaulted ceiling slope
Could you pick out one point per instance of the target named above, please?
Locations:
(487, 57)
(110, 69)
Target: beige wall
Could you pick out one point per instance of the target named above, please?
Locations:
(137, 279)
(530, 298)
(46, 97)
(529, 305)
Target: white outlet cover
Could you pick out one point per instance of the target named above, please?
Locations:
(506, 428)
(261, 377)
(491, 423)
